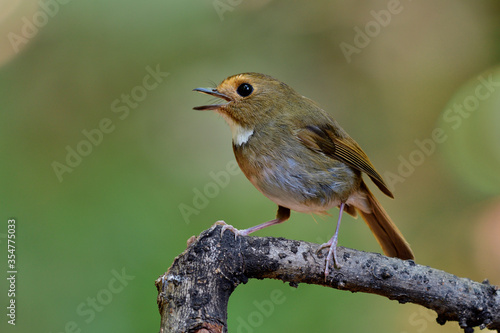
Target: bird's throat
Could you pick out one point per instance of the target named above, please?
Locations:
(241, 134)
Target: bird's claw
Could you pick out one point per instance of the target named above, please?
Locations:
(332, 256)
(321, 247)
(226, 226)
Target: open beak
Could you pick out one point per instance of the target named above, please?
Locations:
(215, 93)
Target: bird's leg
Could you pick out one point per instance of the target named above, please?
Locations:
(281, 216)
(332, 244)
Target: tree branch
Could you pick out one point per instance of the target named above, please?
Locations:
(193, 294)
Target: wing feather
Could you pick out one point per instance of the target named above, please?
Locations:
(326, 140)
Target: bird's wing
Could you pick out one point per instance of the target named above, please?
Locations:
(324, 139)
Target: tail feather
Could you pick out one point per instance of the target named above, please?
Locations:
(387, 234)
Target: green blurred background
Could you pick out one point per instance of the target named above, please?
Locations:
(67, 66)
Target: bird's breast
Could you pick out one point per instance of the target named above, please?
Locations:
(293, 176)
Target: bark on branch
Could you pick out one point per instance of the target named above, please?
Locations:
(193, 294)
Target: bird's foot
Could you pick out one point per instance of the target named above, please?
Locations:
(226, 226)
(332, 255)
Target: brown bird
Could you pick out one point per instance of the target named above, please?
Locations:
(300, 158)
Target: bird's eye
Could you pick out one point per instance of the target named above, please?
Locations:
(244, 90)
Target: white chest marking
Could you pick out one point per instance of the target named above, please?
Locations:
(240, 134)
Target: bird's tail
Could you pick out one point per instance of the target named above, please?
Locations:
(388, 235)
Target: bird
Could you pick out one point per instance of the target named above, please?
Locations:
(299, 157)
